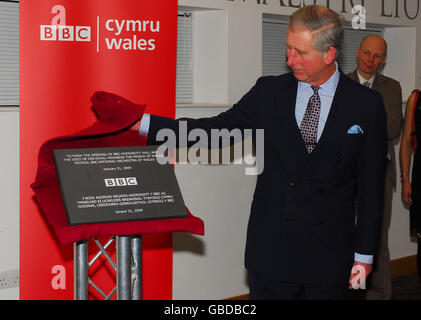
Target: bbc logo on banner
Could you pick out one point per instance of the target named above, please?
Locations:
(65, 33)
(120, 182)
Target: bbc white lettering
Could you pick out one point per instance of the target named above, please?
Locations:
(117, 26)
(130, 44)
(124, 32)
(65, 33)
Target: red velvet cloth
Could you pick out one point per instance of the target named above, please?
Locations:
(115, 116)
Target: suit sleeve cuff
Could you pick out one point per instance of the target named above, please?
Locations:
(364, 258)
(144, 124)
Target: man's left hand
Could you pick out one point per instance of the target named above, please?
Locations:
(359, 274)
(136, 126)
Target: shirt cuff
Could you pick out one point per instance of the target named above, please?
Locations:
(364, 258)
(144, 124)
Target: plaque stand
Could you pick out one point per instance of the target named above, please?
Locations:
(128, 268)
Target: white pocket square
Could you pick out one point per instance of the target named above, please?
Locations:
(355, 129)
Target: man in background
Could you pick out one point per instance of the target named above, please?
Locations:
(371, 56)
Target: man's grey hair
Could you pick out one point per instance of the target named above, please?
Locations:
(324, 22)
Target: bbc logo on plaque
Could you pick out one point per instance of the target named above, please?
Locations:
(120, 182)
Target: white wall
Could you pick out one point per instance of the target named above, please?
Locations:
(212, 266)
(245, 50)
(9, 196)
(400, 63)
(210, 52)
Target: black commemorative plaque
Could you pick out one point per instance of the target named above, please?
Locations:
(117, 184)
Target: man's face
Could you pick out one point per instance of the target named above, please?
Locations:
(308, 64)
(370, 56)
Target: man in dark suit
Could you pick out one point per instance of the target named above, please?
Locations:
(323, 135)
(371, 56)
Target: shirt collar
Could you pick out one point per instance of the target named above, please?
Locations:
(362, 80)
(329, 87)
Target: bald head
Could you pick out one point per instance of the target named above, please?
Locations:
(375, 40)
(371, 55)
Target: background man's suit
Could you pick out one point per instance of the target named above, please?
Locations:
(301, 227)
(390, 89)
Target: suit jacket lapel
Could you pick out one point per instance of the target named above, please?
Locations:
(292, 120)
(377, 83)
(288, 135)
(333, 122)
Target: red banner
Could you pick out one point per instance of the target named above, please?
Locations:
(67, 52)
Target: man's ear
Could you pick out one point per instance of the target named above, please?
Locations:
(330, 55)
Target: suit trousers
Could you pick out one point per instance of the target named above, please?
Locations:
(267, 288)
(379, 283)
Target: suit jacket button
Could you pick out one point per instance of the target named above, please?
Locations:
(291, 185)
(320, 223)
(289, 220)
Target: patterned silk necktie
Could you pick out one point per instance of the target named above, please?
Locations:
(310, 120)
(367, 84)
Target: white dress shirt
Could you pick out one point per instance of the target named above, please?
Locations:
(326, 93)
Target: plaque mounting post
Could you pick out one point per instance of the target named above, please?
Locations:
(128, 268)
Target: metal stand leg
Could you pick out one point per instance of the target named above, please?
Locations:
(124, 268)
(128, 268)
(137, 267)
(81, 270)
